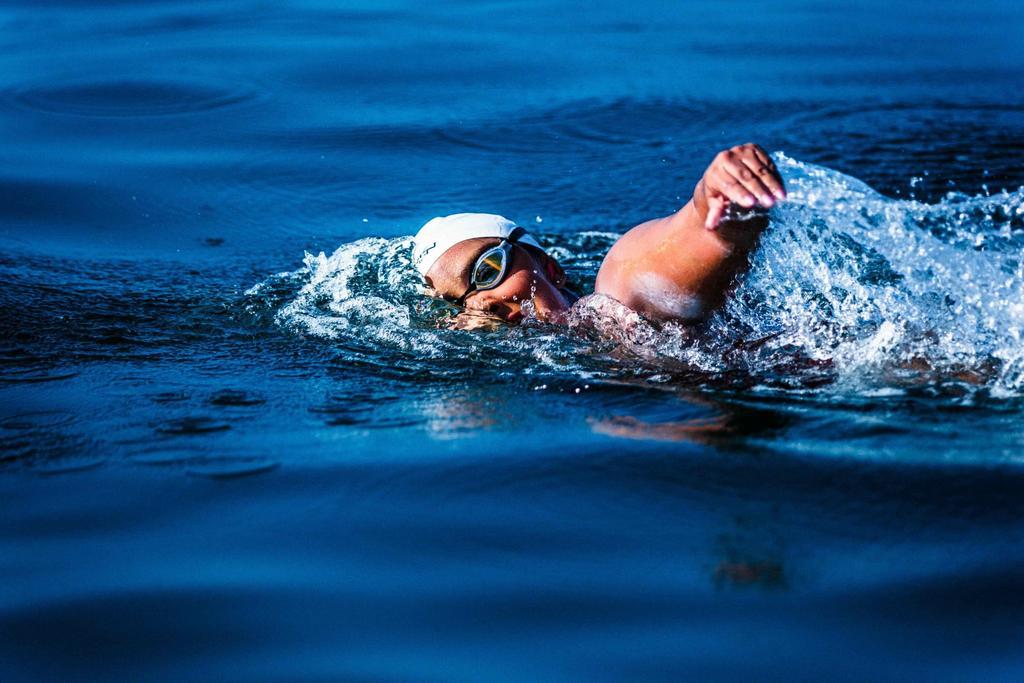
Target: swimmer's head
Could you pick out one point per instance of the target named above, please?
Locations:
(489, 265)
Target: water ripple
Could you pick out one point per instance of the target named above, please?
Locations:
(231, 468)
(122, 97)
(192, 425)
(236, 398)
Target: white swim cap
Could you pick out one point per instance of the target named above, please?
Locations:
(440, 234)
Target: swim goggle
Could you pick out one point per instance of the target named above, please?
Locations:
(491, 267)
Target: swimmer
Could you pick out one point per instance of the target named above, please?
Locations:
(679, 267)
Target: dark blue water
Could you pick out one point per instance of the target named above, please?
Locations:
(224, 459)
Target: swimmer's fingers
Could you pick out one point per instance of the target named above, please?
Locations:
(738, 166)
(716, 208)
(743, 175)
(764, 168)
(720, 182)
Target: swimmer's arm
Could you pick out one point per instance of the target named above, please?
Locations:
(680, 266)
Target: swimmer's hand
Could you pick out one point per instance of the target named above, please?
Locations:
(468, 320)
(743, 175)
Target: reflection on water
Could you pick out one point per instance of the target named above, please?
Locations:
(751, 555)
(717, 423)
(701, 430)
(748, 572)
(462, 413)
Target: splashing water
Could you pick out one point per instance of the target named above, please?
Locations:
(848, 289)
(879, 287)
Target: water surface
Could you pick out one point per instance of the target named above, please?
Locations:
(236, 443)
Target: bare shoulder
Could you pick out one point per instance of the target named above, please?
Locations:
(625, 260)
(627, 273)
(671, 268)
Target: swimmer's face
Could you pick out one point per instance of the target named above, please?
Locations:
(531, 276)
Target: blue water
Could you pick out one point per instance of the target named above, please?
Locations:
(236, 443)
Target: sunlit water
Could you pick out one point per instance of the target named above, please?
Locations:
(238, 443)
